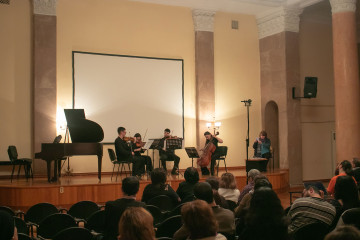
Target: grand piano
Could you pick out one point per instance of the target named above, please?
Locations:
(86, 136)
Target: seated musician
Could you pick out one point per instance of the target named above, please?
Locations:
(215, 140)
(138, 150)
(168, 155)
(124, 152)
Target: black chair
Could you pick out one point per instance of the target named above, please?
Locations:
(121, 164)
(168, 227)
(74, 233)
(96, 222)
(22, 236)
(156, 213)
(352, 217)
(189, 198)
(82, 210)
(21, 226)
(26, 162)
(163, 202)
(55, 223)
(313, 231)
(232, 205)
(37, 213)
(223, 153)
(8, 210)
(175, 211)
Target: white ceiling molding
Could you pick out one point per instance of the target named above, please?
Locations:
(284, 19)
(343, 6)
(203, 20)
(45, 7)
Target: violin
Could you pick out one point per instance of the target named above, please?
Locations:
(129, 139)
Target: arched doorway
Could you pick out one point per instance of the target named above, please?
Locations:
(272, 129)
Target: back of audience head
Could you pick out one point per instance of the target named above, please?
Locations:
(227, 181)
(347, 232)
(214, 182)
(346, 191)
(158, 176)
(7, 227)
(356, 162)
(346, 167)
(252, 174)
(136, 224)
(203, 191)
(199, 219)
(191, 175)
(261, 181)
(130, 185)
(311, 191)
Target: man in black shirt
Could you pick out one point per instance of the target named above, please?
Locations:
(168, 155)
(214, 140)
(114, 209)
(125, 153)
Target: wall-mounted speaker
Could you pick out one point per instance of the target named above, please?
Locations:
(310, 87)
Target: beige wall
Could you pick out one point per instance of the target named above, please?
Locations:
(130, 28)
(15, 78)
(317, 115)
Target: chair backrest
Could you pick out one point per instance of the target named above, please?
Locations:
(163, 202)
(83, 209)
(74, 233)
(168, 227)
(21, 226)
(39, 211)
(223, 150)
(8, 210)
(22, 236)
(188, 198)
(112, 154)
(12, 152)
(96, 222)
(232, 205)
(176, 210)
(352, 217)
(313, 231)
(55, 223)
(155, 213)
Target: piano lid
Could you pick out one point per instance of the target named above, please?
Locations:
(81, 129)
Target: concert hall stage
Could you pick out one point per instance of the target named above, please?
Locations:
(21, 194)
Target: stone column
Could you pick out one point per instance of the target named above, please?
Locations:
(44, 110)
(280, 72)
(346, 79)
(204, 69)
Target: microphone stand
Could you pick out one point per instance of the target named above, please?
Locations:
(247, 105)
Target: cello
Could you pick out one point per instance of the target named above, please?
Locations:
(205, 157)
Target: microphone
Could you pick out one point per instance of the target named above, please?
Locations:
(247, 101)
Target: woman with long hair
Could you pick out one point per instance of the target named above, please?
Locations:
(136, 224)
(228, 187)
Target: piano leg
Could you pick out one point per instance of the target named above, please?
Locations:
(48, 165)
(55, 178)
(99, 167)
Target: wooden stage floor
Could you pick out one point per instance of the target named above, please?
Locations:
(21, 194)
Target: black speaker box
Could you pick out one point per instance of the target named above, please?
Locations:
(310, 87)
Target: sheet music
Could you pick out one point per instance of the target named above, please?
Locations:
(148, 144)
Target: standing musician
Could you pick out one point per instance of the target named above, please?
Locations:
(137, 146)
(124, 152)
(168, 155)
(214, 140)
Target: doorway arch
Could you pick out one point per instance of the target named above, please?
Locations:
(272, 129)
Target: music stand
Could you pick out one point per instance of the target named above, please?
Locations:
(172, 144)
(155, 145)
(192, 153)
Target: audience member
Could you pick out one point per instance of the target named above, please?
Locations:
(228, 187)
(7, 227)
(345, 168)
(158, 187)
(346, 192)
(136, 224)
(114, 209)
(356, 169)
(311, 208)
(219, 200)
(224, 217)
(250, 186)
(344, 233)
(265, 219)
(186, 188)
(198, 218)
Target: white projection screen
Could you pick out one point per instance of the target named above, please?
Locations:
(142, 94)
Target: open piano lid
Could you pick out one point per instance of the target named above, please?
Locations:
(82, 130)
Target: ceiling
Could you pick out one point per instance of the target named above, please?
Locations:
(252, 7)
